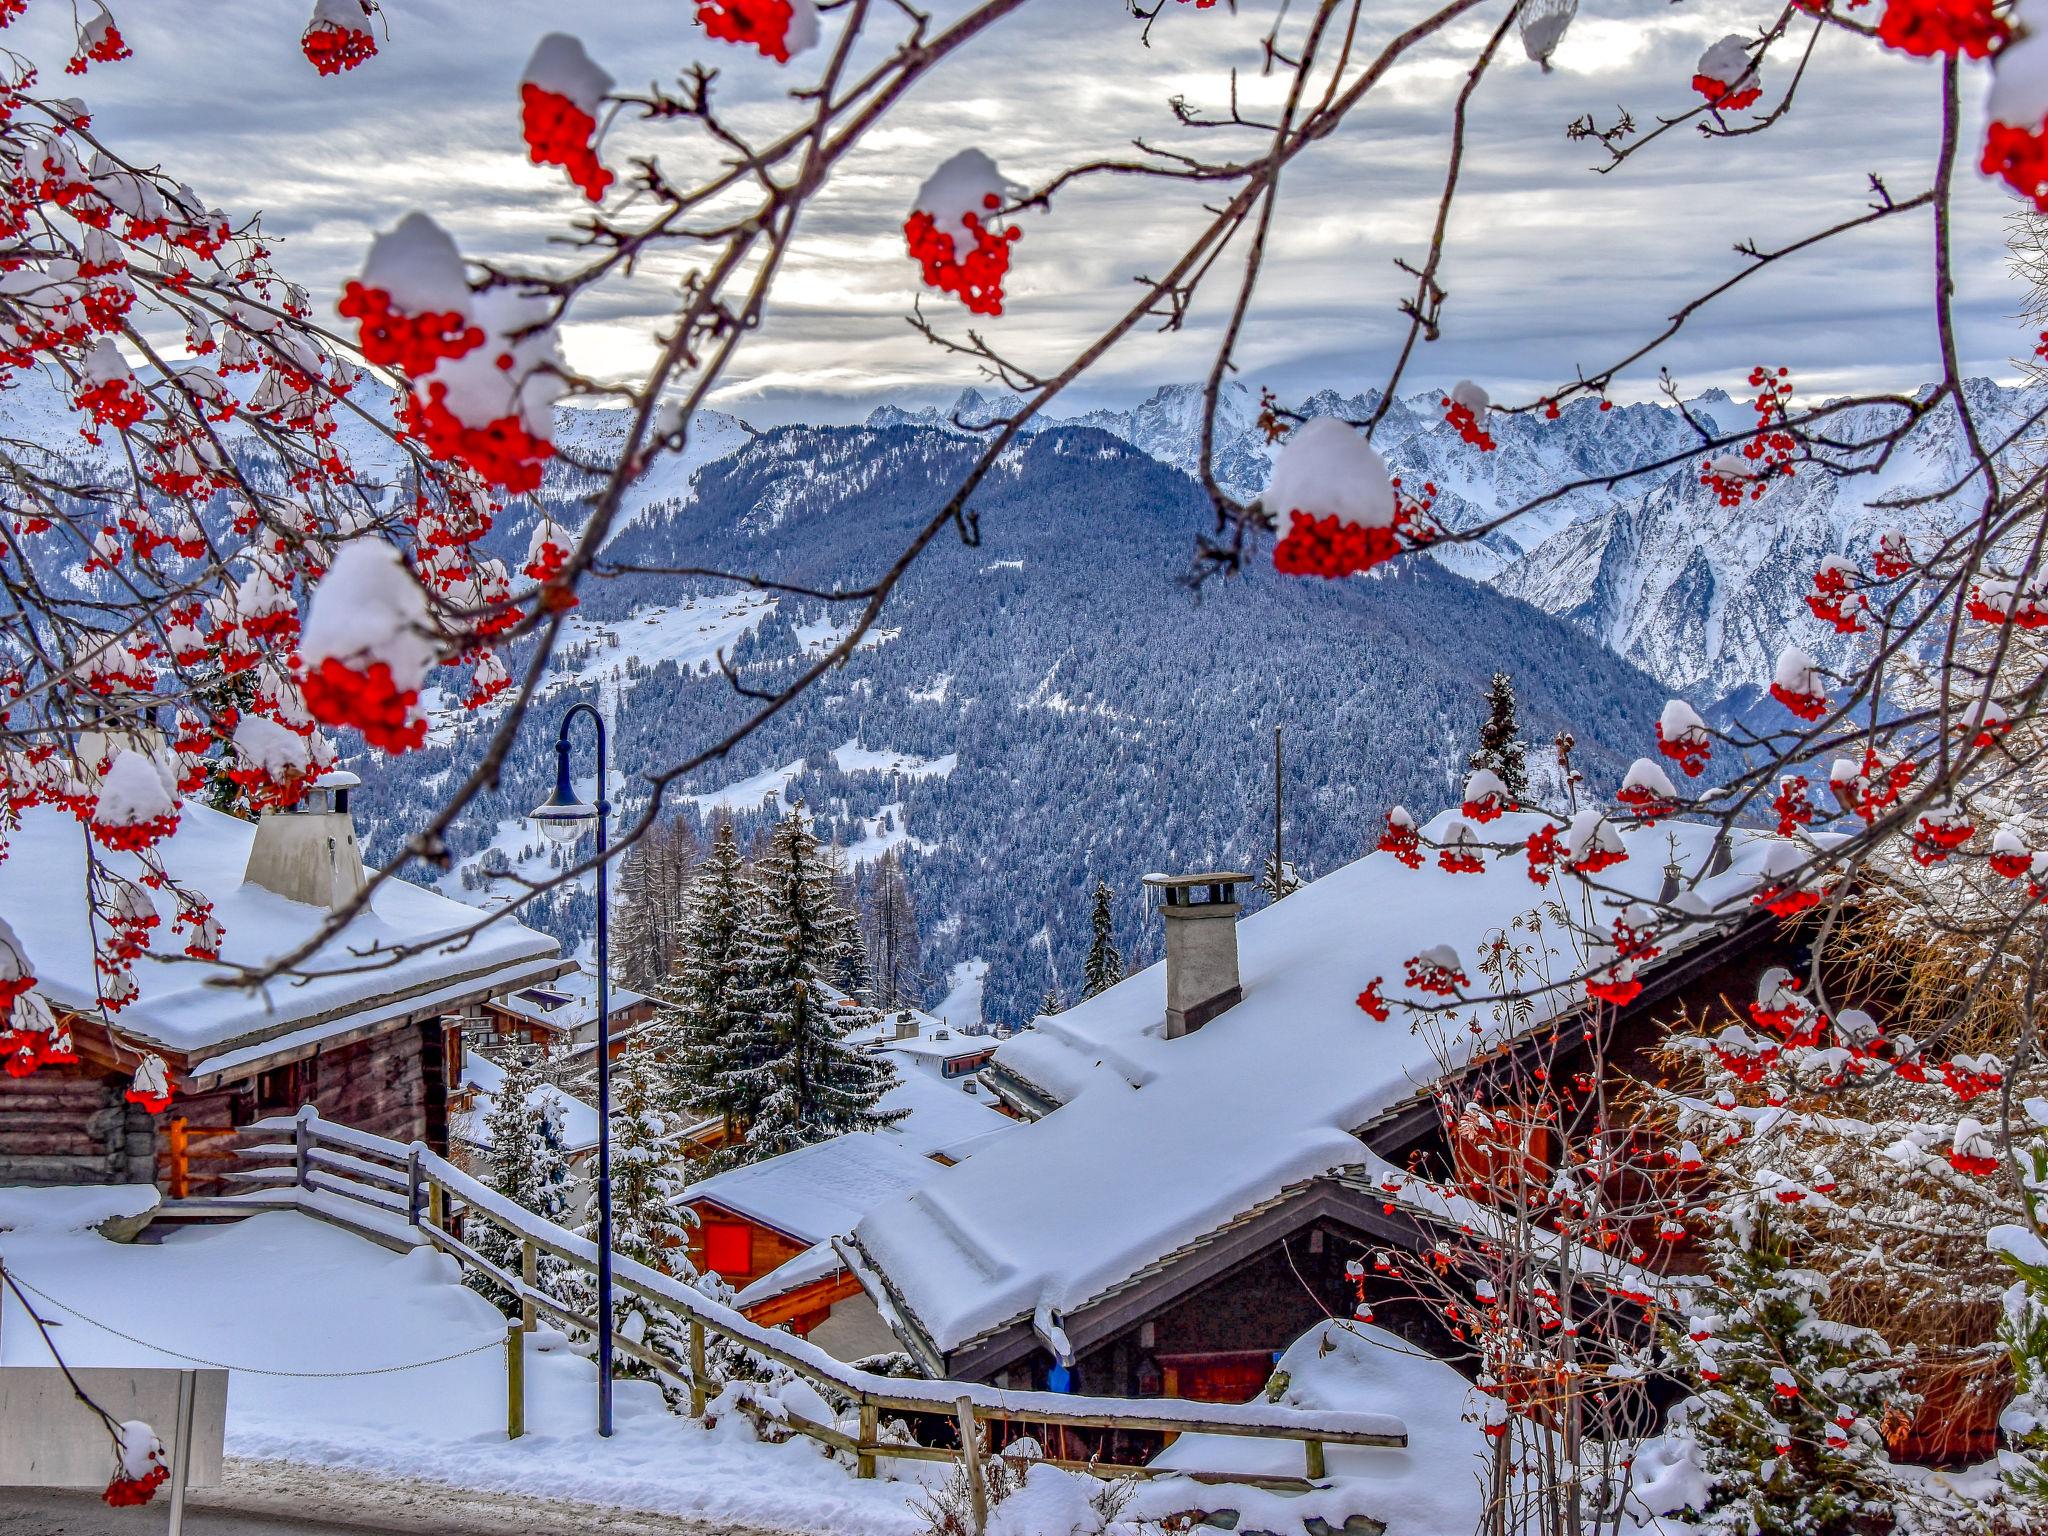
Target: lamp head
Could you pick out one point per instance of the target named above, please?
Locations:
(563, 816)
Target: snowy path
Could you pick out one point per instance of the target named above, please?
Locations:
(269, 1498)
(358, 1364)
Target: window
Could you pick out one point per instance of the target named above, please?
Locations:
(728, 1247)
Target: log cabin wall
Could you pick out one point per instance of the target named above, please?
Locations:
(73, 1125)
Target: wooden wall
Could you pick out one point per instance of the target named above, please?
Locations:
(72, 1125)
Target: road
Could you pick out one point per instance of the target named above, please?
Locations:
(272, 1499)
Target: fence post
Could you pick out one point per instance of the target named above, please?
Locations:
(181, 1152)
(437, 1206)
(970, 1447)
(529, 1277)
(515, 1381)
(870, 1431)
(698, 1396)
(412, 1185)
(302, 1144)
(1317, 1467)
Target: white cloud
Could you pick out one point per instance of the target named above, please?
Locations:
(1550, 268)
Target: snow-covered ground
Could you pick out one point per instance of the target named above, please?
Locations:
(283, 1293)
(852, 757)
(749, 794)
(962, 1006)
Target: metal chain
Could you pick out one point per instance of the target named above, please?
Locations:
(252, 1370)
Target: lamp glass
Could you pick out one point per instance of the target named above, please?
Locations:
(562, 829)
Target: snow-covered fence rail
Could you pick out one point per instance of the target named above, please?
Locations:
(318, 1163)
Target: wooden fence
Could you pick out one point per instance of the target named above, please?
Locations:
(390, 1190)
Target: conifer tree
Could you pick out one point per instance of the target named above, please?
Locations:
(649, 1225)
(814, 1085)
(527, 1165)
(1050, 1004)
(713, 1043)
(1788, 1421)
(1105, 964)
(1501, 747)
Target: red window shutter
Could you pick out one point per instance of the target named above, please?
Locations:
(728, 1247)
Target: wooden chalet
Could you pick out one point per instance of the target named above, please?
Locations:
(768, 1227)
(368, 1030)
(560, 1015)
(1218, 1136)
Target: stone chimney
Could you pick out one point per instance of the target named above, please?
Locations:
(309, 852)
(1200, 912)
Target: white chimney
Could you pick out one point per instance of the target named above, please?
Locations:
(309, 853)
(1200, 912)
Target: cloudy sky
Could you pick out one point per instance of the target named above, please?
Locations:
(1551, 266)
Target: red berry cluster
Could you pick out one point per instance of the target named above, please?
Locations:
(1791, 804)
(503, 453)
(1925, 28)
(332, 49)
(1721, 98)
(124, 1492)
(558, 132)
(1328, 546)
(976, 277)
(366, 699)
(1461, 416)
(1807, 706)
(2020, 156)
(107, 48)
(393, 339)
(117, 403)
(762, 24)
(1690, 750)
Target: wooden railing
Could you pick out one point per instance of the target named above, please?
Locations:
(209, 1146)
(409, 1191)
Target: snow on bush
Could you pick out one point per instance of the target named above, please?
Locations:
(139, 1468)
(1726, 77)
(412, 302)
(957, 248)
(368, 646)
(135, 807)
(493, 409)
(1796, 683)
(780, 29)
(1682, 737)
(1331, 489)
(338, 38)
(560, 95)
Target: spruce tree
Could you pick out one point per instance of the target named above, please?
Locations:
(1501, 747)
(1788, 1416)
(1050, 1004)
(527, 1165)
(1105, 964)
(814, 1085)
(649, 1224)
(714, 1043)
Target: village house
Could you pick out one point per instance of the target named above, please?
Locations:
(768, 1227)
(1213, 1139)
(560, 1015)
(368, 1029)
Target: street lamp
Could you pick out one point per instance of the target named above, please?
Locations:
(562, 818)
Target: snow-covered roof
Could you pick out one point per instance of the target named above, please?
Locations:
(1159, 1142)
(579, 1120)
(820, 1261)
(42, 894)
(568, 1002)
(945, 1120)
(818, 1192)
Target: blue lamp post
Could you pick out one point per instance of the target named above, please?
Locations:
(563, 818)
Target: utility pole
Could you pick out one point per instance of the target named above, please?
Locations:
(1279, 863)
